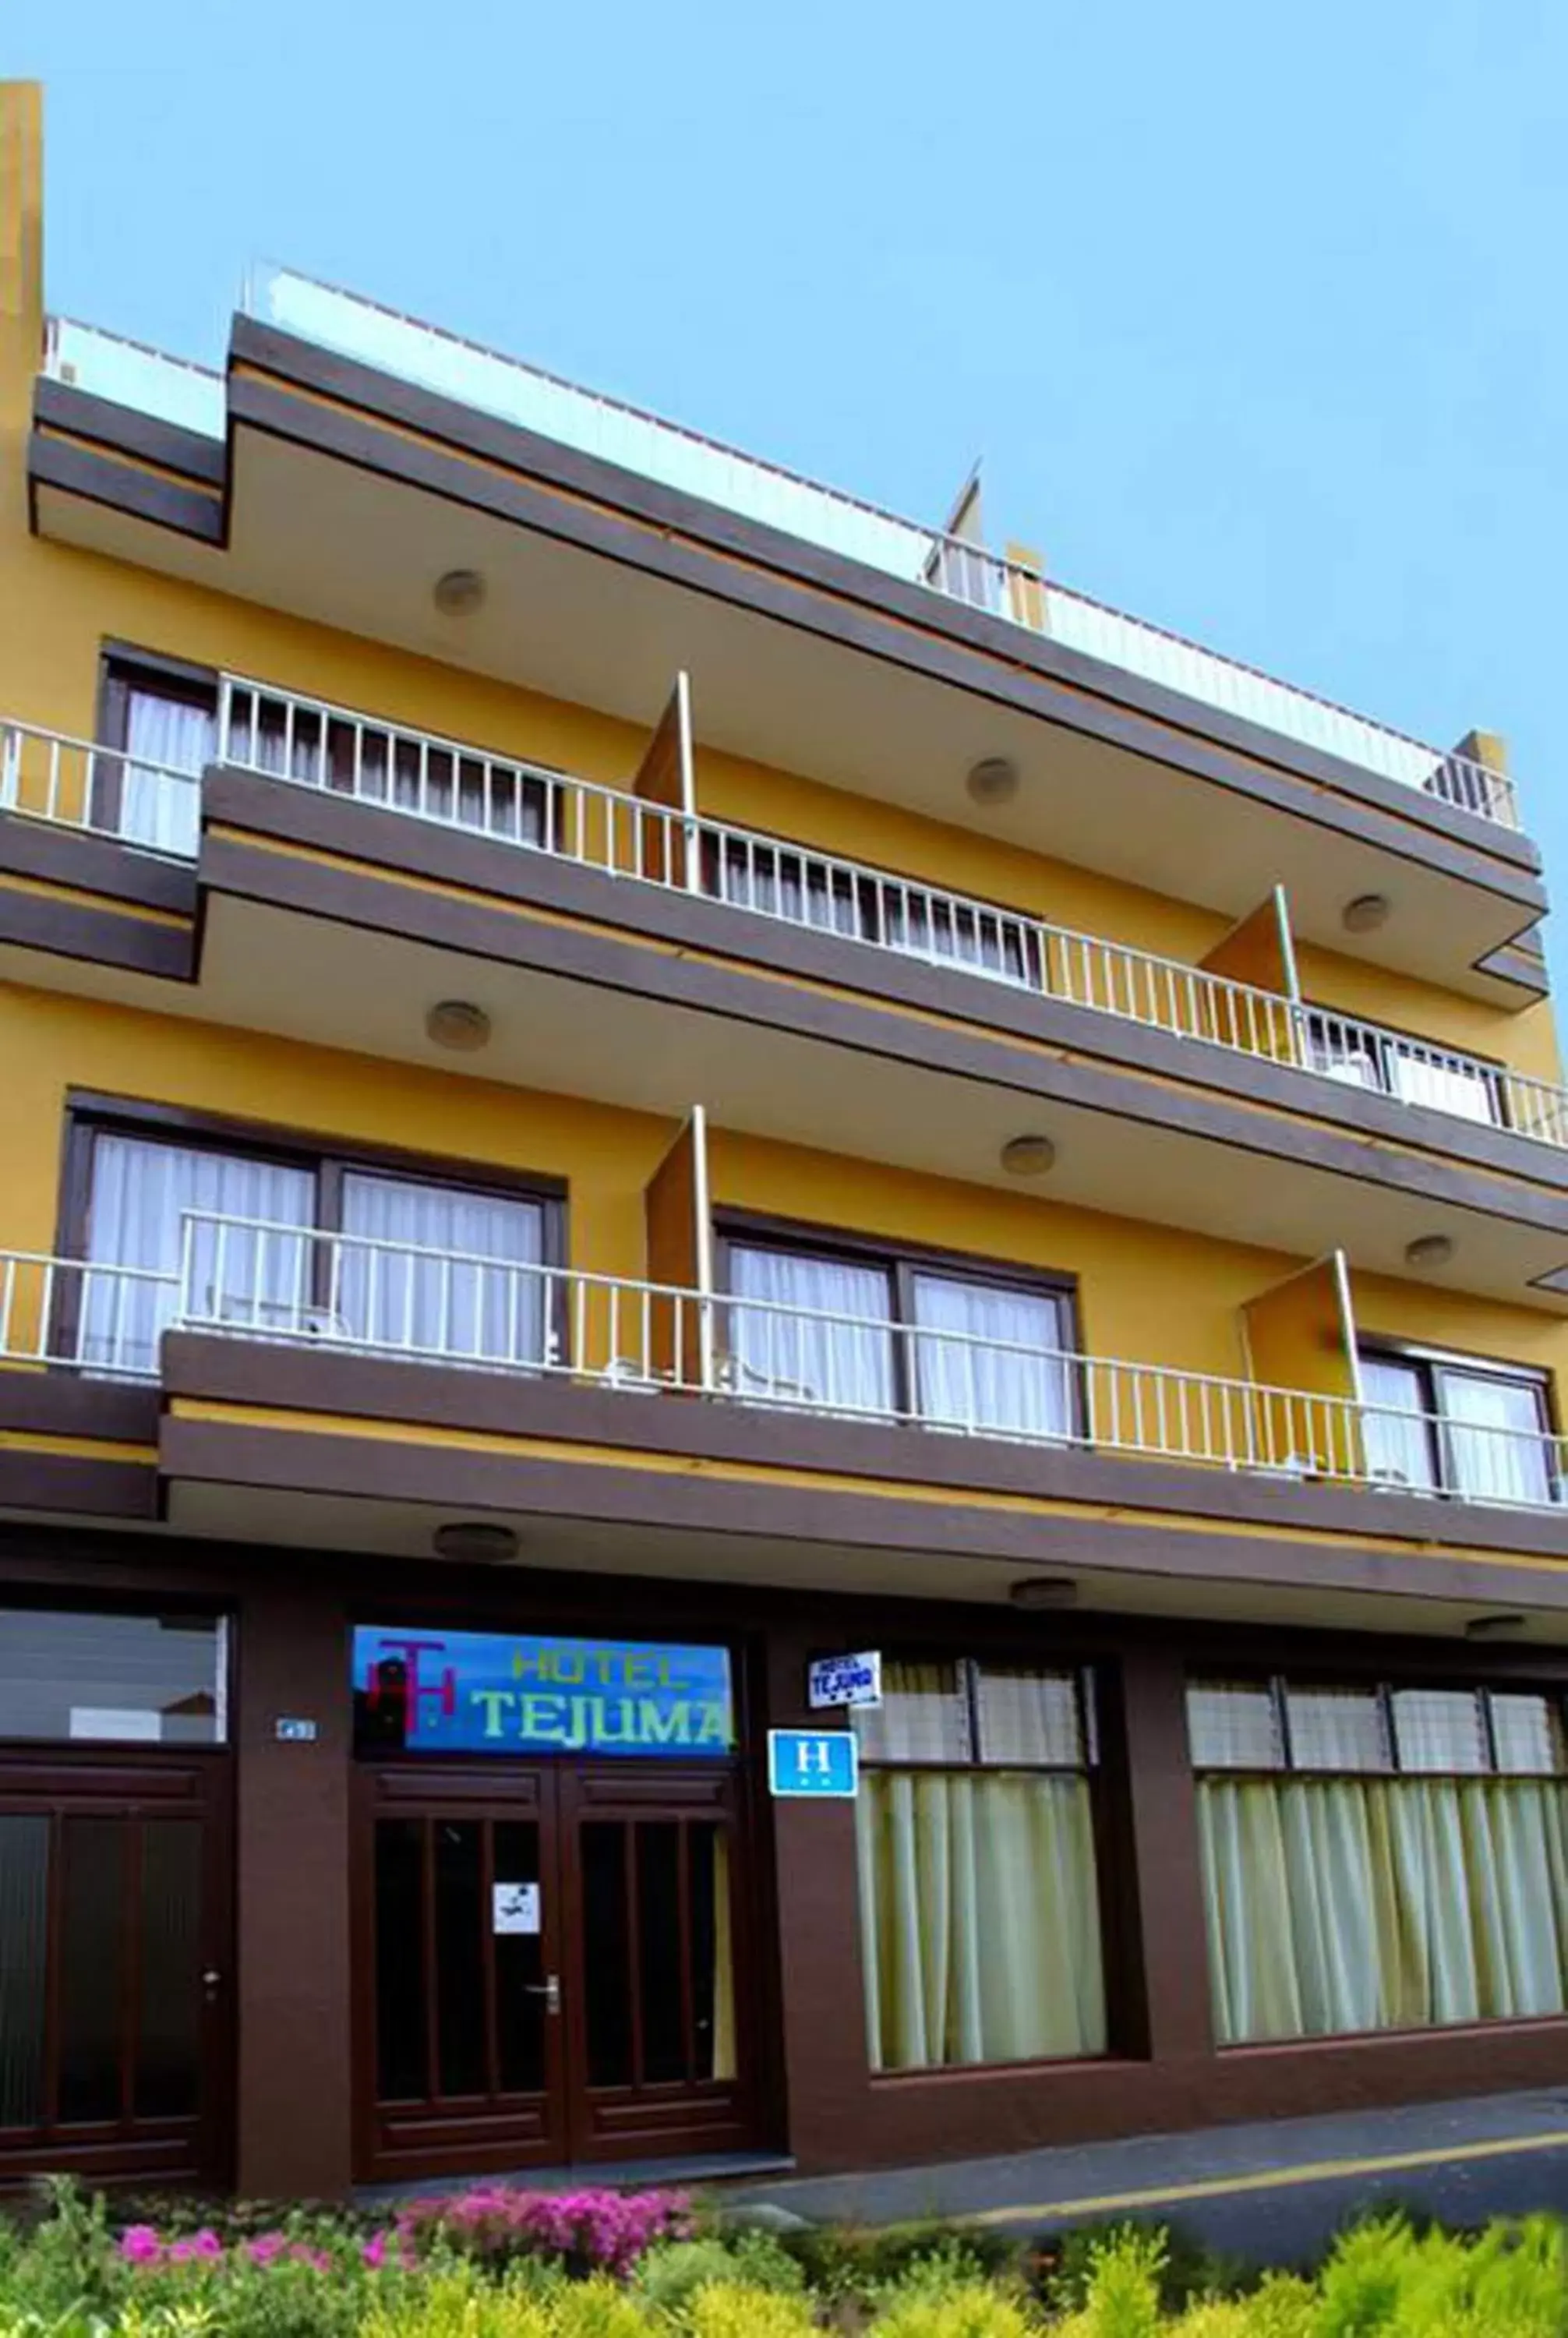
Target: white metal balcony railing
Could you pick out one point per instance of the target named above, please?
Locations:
(71, 782)
(311, 742)
(664, 451)
(255, 1279)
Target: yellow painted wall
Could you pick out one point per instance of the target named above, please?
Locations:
(52, 1043)
(61, 603)
(1146, 1294)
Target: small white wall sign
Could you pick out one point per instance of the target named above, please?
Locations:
(843, 1680)
(515, 1908)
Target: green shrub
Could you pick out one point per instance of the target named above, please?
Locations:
(1190, 2270)
(848, 2261)
(964, 2309)
(733, 2309)
(673, 2272)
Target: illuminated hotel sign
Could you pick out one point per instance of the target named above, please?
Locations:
(422, 1691)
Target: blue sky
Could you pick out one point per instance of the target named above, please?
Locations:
(1255, 314)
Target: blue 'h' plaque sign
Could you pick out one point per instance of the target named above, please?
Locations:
(819, 1763)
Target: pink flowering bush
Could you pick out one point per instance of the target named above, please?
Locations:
(590, 2230)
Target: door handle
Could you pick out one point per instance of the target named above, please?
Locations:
(549, 1988)
(212, 1980)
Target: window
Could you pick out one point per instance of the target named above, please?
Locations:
(296, 1246)
(1380, 1858)
(355, 754)
(1455, 1427)
(168, 719)
(807, 889)
(979, 1892)
(456, 1304)
(797, 887)
(891, 1339)
(1362, 1057)
(145, 1679)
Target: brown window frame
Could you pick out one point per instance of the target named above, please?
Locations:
(1428, 1364)
(89, 1115)
(122, 670)
(900, 1263)
(1384, 1687)
(1115, 1887)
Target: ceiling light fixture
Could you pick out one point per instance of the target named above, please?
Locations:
(1493, 1627)
(459, 1024)
(478, 1542)
(460, 592)
(1429, 1250)
(1028, 1156)
(1038, 1591)
(993, 779)
(1365, 913)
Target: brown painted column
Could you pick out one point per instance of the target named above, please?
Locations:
(1166, 1917)
(291, 1983)
(822, 2002)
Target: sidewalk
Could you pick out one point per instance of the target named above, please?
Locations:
(1275, 2190)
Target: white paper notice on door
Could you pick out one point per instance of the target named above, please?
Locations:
(515, 1907)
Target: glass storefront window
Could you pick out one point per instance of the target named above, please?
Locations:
(979, 1892)
(1380, 1858)
(144, 1680)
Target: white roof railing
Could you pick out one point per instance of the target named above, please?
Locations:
(490, 382)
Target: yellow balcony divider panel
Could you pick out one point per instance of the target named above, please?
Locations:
(1026, 587)
(678, 1207)
(665, 777)
(1299, 1336)
(967, 519)
(1260, 951)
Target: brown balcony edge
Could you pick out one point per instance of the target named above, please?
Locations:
(389, 840)
(215, 1369)
(615, 513)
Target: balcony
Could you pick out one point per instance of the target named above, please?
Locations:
(329, 1382)
(337, 752)
(823, 637)
(953, 566)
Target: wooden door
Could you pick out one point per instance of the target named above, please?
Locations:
(460, 2061)
(552, 1966)
(115, 1968)
(658, 1965)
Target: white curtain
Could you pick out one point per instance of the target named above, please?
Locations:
(1397, 1440)
(460, 1306)
(986, 941)
(260, 1279)
(155, 809)
(1496, 1449)
(350, 755)
(1339, 1905)
(804, 1357)
(988, 1359)
(787, 885)
(980, 1918)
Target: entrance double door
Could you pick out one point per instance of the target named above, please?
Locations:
(548, 1961)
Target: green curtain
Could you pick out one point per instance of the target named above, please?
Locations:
(1341, 1904)
(980, 1918)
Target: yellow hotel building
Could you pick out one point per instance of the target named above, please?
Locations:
(618, 1073)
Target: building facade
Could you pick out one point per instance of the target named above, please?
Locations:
(621, 1072)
